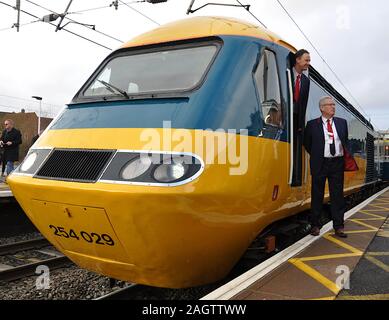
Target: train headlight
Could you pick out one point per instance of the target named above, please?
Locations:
(152, 168)
(135, 168)
(28, 162)
(170, 172)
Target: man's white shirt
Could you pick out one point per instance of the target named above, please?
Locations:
(328, 140)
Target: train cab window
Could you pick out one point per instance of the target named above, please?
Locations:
(268, 86)
(175, 69)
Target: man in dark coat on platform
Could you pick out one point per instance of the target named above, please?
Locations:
(10, 140)
(326, 141)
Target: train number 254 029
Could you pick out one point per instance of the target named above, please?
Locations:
(93, 237)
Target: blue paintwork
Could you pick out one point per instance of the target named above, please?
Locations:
(226, 100)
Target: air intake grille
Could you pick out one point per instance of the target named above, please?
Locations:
(370, 168)
(75, 165)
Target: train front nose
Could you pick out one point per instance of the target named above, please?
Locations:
(177, 236)
(142, 236)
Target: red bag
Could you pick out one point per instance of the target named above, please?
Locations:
(349, 162)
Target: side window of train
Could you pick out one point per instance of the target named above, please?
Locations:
(268, 86)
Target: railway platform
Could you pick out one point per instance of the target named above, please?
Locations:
(325, 267)
(5, 191)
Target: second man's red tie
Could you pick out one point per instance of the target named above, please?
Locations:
(332, 144)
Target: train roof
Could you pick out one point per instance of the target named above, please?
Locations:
(202, 26)
(198, 27)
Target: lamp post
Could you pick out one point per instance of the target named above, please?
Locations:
(40, 111)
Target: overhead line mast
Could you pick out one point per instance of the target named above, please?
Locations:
(63, 16)
(18, 15)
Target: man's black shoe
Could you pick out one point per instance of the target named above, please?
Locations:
(315, 231)
(340, 233)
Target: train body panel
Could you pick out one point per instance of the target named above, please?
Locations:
(192, 230)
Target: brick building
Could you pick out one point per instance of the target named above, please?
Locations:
(27, 123)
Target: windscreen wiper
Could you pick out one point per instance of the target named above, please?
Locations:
(111, 86)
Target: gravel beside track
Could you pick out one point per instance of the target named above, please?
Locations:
(24, 237)
(70, 283)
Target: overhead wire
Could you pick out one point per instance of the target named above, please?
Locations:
(24, 99)
(254, 16)
(147, 17)
(101, 7)
(71, 32)
(325, 62)
(100, 32)
(21, 25)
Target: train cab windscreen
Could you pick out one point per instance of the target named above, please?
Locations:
(176, 69)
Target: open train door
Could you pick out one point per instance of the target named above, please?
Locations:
(297, 124)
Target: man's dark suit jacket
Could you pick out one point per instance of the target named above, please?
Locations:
(314, 141)
(300, 106)
(11, 153)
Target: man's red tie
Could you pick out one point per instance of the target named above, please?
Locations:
(297, 88)
(332, 145)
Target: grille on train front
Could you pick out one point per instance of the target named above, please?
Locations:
(371, 173)
(75, 165)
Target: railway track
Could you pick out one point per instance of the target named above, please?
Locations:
(29, 269)
(8, 251)
(143, 292)
(23, 245)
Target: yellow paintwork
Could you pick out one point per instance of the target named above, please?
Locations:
(199, 27)
(164, 236)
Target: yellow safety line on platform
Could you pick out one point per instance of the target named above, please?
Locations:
(384, 296)
(315, 275)
(364, 224)
(342, 244)
(384, 253)
(377, 212)
(379, 203)
(359, 231)
(384, 234)
(383, 202)
(373, 215)
(384, 199)
(331, 256)
(376, 206)
(377, 262)
(299, 262)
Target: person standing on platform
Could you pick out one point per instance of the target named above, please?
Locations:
(326, 140)
(10, 140)
(2, 162)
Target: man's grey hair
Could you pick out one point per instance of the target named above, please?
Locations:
(10, 121)
(323, 99)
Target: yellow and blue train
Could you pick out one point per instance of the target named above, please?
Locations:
(92, 183)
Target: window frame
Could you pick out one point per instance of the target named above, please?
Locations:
(260, 55)
(177, 45)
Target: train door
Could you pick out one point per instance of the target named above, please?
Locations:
(297, 124)
(270, 81)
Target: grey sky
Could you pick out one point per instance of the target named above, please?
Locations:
(350, 34)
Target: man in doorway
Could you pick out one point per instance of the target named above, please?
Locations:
(326, 140)
(10, 141)
(301, 86)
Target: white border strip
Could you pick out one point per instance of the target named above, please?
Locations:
(6, 194)
(240, 283)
